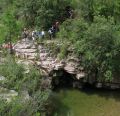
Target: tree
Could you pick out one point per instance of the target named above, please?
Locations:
(98, 42)
(10, 26)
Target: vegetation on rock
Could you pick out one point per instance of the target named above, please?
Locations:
(93, 32)
(33, 103)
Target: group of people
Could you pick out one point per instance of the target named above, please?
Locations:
(53, 30)
(38, 34)
(34, 34)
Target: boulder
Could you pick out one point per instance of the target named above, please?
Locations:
(80, 75)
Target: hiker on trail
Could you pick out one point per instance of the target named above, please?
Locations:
(50, 32)
(43, 33)
(34, 35)
(29, 35)
(69, 12)
(39, 34)
(25, 34)
(56, 26)
(53, 29)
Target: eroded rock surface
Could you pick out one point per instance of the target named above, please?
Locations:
(40, 55)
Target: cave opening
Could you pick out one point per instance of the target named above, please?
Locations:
(63, 79)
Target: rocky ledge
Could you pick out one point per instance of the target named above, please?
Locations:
(40, 56)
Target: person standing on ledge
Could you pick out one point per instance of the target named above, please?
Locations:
(56, 26)
(25, 34)
(50, 31)
(43, 34)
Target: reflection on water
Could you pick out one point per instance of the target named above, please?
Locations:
(88, 102)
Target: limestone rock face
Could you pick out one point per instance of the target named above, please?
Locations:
(80, 75)
(69, 68)
(25, 49)
(40, 55)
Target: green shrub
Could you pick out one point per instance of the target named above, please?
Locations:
(13, 73)
(98, 43)
(31, 82)
(16, 77)
(36, 105)
(63, 51)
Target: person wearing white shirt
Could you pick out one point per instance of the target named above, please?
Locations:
(43, 33)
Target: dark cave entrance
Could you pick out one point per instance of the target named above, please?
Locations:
(63, 79)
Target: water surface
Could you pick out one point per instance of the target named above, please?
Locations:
(88, 102)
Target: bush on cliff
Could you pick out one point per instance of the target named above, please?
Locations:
(98, 43)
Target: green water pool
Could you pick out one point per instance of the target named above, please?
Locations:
(92, 102)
